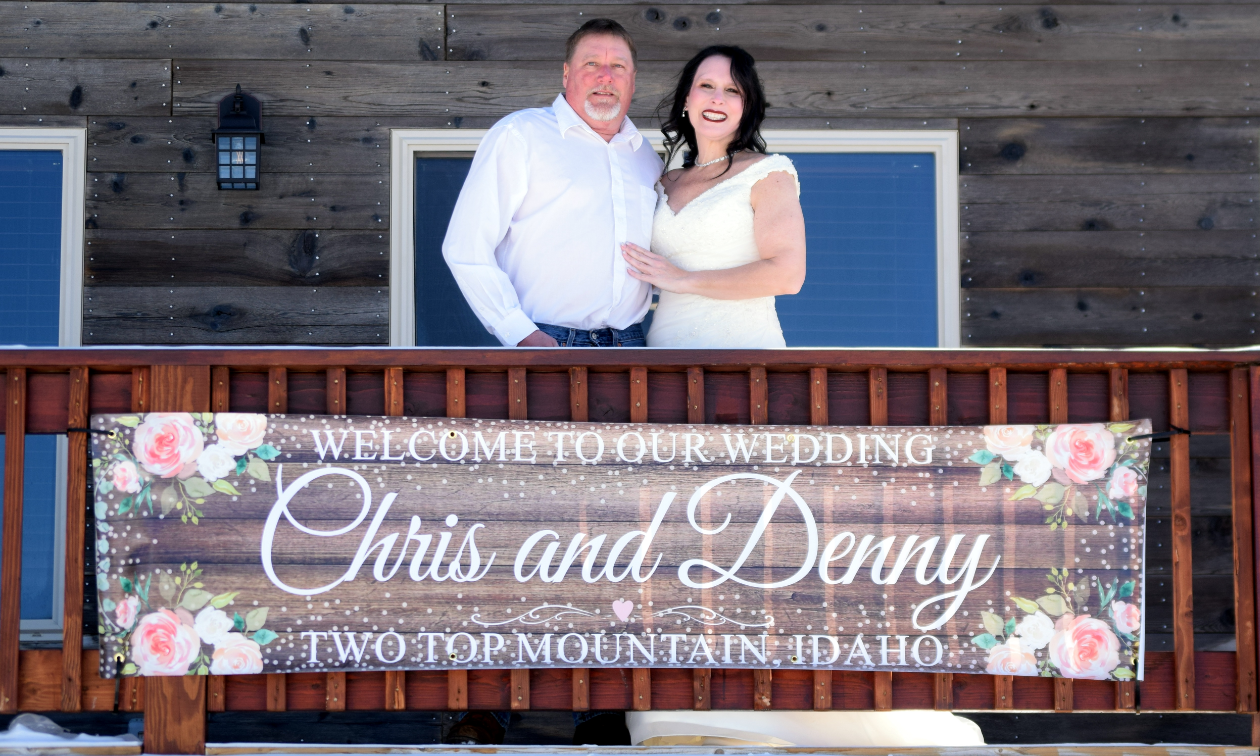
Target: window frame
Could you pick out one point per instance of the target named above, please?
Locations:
(72, 144)
(406, 144)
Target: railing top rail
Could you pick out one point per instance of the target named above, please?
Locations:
(666, 359)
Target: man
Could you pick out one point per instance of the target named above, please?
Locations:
(534, 241)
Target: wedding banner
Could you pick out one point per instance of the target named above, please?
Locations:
(241, 543)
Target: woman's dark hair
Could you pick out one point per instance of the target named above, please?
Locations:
(678, 130)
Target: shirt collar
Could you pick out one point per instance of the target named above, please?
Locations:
(567, 118)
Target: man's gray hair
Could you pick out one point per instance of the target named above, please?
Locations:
(600, 26)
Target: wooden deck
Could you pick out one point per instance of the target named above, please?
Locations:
(1209, 393)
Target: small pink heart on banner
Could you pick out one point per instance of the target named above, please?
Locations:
(622, 609)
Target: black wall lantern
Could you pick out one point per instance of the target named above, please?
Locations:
(237, 141)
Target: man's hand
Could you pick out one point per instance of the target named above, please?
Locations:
(538, 339)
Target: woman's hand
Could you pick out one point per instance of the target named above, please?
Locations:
(654, 269)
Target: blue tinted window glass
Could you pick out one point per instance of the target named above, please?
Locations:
(39, 525)
(30, 246)
(443, 317)
(870, 227)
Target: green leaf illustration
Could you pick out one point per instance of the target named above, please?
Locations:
(127, 585)
(258, 469)
(985, 641)
(982, 457)
(990, 473)
(168, 499)
(240, 465)
(198, 488)
(105, 486)
(255, 619)
(1050, 493)
(1010, 626)
(1008, 472)
(1121, 673)
(129, 669)
(1025, 491)
(166, 586)
(223, 486)
(1125, 510)
(101, 510)
(264, 636)
(1126, 590)
(220, 601)
(1026, 606)
(195, 599)
(125, 506)
(108, 605)
(992, 622)
(267, 452)
(1053, 604)
(131, 421)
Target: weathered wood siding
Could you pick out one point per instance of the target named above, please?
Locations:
(1108, 164)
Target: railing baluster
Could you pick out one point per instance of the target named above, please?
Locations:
(395, 679)
(1244, 557)
(938, 414)
(11, 567)
(1182, 570)
(818, 417)
(335, 404)
(877, 384)
(76, 506)
(1058, 404)
(1003, 685)
(456, 406)
(278, 404)
(1118, 380)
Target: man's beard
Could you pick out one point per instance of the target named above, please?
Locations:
(602, 113)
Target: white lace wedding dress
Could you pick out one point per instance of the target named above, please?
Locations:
(714, 232)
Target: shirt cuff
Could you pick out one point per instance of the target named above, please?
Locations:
(513, 328)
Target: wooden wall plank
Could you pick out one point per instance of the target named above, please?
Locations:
(236, 257)
(519, 694)
(758, 397)
(1203, 316)
(638, 395)
(181, 200)
(457, 689)
(796, 89)
(1121, 258)
(578, 394)
(581, 689)
(762, 689)
(220, 389)
(76, 511)
(701, 688)
(641, 689)
(236, 315)
(335, 691)
(518, 409)
(1145, 202)
(1105, 145)
(1242, 531)
(819, 405)
(1182, 570)
(277, 390)
(11, 540)
(85, 86)
(695, 395)
(223, 30)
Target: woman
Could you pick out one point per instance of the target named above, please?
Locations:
(728, 234)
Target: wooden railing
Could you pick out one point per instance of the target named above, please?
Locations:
(48, 391)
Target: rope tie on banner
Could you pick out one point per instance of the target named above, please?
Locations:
(118, 667)
(1164, 435)
(110, 433)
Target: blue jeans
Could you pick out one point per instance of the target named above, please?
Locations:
(601, 337)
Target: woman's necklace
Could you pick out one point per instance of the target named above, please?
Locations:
(711, 162)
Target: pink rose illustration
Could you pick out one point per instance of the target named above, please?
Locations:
(126, 477)
(1124, 484)
(1009, 441)
(1128, 616)
(125, 614)
(1010, 659)
(168, 443)
(239, 431)
(236, 655)
(162, 645)
(1084, 648)
(1083, 452)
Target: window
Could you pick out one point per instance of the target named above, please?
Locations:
(881, 217)
(41, 263)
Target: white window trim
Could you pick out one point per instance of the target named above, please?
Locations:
(72, 144)
(405, 144)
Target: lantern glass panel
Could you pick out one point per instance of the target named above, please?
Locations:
(224, 143)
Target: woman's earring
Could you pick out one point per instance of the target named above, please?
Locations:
(684, 112)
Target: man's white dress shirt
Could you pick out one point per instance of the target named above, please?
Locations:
(536, 232)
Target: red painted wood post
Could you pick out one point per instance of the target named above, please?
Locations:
(1003, 685)
(1244, 557)
(335, 404)
(175, 707)
(76, 506)
(581, 690)
(1058, 400)
(641, 689)
(695, 395)
(518, 409)
(938, 414)
(11, 566)
(277, 694)
(1182, 570)
(818, 416)
(395, 679)
(1118, 380)
(456, 406)
(578, 409)
(877, 385)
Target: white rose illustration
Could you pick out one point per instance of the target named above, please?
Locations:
(213, 625)
(215, 462)
(1033, 468)
(1035, 630)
